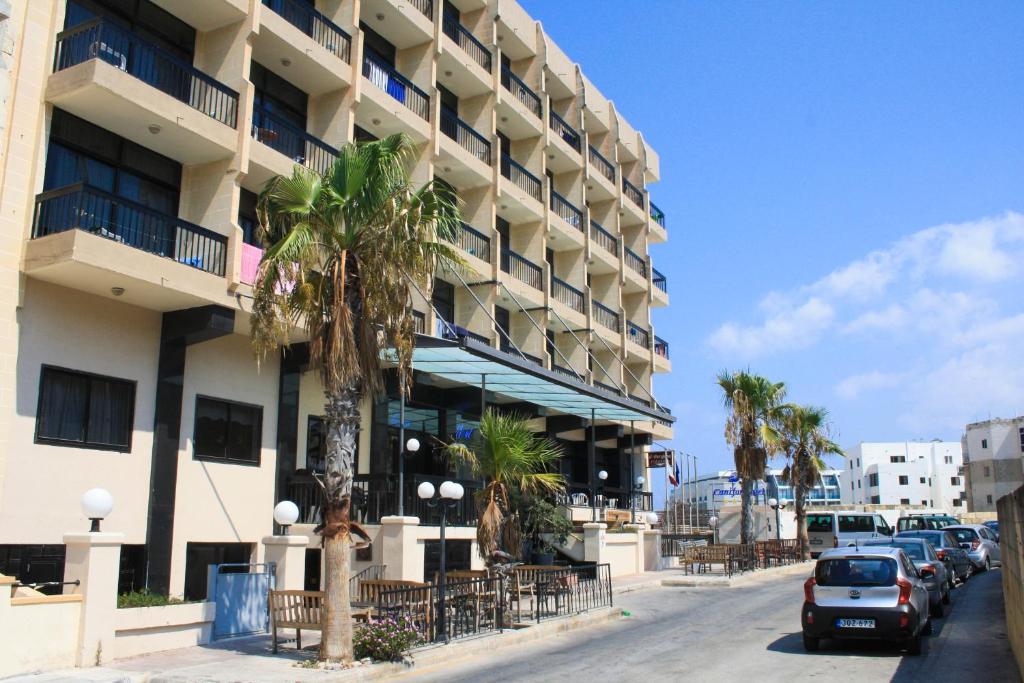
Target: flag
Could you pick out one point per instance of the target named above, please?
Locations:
(673, 475)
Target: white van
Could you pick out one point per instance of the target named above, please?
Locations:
(834, 529)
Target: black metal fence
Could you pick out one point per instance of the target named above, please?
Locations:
(573, 590)
(522, 268)
(603, 238)
(520, 177)
(638, 334)
(471, 607)
(290, 140)
(315, 25)
(606, 316)
(566, 211)
(475, 243)
(463, 133)
(636, 261)
(521, 91)
(467, 41)
(380, 73)
(565, 293)
(634, 193)
(424, 6)
(605, 167)
(657, 215)
(564, 131)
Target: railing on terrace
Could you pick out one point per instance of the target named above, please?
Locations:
(606, 317)
(659, 280)
(453, 332)
(605, 167)
(520, 177)
(565, 131)
(513, 351)
(475, 243)
(566, 211)
(658, 215)
(638, 334)
(464, 39)
(522, 92)
(102, 39)
(425, 6)
(568, 372)
(611, 497)
(315, 25)
(462, 133)
(604, 238)
(82, 207)
(660, 347)
(573, 590)
(608, 387)
(380, 73)
(471, 607)
(565, 293)
(419, 322)
(636, 262)
(522, 269)
(634, 193)
(291, 141)
(640, 399)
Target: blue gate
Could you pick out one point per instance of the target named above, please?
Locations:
(241, 592)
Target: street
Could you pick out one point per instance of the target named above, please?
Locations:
(752, 633)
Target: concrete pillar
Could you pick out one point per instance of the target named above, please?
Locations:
(288, 553)
(638, 546)
(594, 541)
(401, 550)
(651, 549)
(94, 559)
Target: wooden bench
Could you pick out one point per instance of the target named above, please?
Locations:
(411, 598)
(295, 609)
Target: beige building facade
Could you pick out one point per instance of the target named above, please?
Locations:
(135, 140)
(993, 461)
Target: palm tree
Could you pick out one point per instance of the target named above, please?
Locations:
(752, 401)
(803, 434)
(345, 249)
(513, 462)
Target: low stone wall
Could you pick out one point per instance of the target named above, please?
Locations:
(139, 630)
(1011, 546)
(37, 632)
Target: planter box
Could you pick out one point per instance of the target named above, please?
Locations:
(139, 630)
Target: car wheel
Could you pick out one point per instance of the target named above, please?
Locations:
(811, 644)
(928, 627)
(914, 645)
(945, 595)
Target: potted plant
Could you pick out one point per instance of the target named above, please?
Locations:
(547, 528)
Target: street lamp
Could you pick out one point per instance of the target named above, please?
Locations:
(97, 504)
(412, 445)
(776, 505)
(448, 496)
(602, 477)
(638, 487)
(286, 513)
(713, 523)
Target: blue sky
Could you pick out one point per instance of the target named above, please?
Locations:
(845, 198)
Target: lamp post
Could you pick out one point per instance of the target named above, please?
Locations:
(96, 505)
(638, 487)
(776, 505)
(602, 476)
(411, 446)
(286, 513)
(713, 523)
(448, 496)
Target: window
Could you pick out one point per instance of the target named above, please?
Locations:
(988, 499)
(819, 523)
(876, 500)
(897, 458)
(851, 485)
(858, 462)
(82, 409)
(924, 502)
(1021, 432)
(984, 443)
(34, 564)
(960, 470)
(955, 481)
(958, 502)
(858, 483)
(198, 558)
(227, 431)
(247, 219)
(873, 479)
(923, 480)
(948, 459)
(904, 480)
(904, 501)
(850, 523)
(988, 471)
(316, 444)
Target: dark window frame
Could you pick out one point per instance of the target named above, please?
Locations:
(85, 443)
(224, 459)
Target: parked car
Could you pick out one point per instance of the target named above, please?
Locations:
(835, 529)
(921, 522)
(993, 525)
(947, 547)
(980, 544)
(865, 592)
(933, 571)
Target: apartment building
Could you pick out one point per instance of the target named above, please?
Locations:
(920, 473)
(993, 461)
(137, 136)
(713, 490)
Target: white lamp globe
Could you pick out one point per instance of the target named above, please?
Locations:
(451, 490)
(712, 521)
(602, 475)
(772, 502)
(97, 503)
(652, 518)
(425, 490)
(639, 481)
(286, 513)
(412, 445)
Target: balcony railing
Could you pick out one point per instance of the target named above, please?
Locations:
(638, 334)
(608, 387)
(513, 351)
(568, 372)
(660, 347)
(102, 39)
(658, 280)
(565, 293)
(634, 193)
(475, 243)
(419, 322)
(380, 73)
(468, 139)
(522, 92)
(315, 25)
(606, 317)
(464, 39)
(639, 399)
(291, 141)
(425, 6)
(565, 131)
(604, 167)
(93, 210)
(636, 262)
(520, 177)
(453, 332)
(657, 215)
(604, 238)
(566, 211)
(522, 269)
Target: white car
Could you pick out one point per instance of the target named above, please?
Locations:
(839, 529)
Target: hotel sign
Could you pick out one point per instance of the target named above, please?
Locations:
(661, 459)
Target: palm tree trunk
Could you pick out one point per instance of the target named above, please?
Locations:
(342, 417)
(800, 492)
(747, 511)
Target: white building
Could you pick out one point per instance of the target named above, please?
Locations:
(714, 490)
(926, 473)
(994, 461)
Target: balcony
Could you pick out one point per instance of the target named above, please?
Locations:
(518, 108)
(661, 357)
(303, 46)
(112, 78)
(634, 205)
(398, 105)
(468, 77)
(453, 332)
(567, 295)
(464, 39)
(638, 335)
(513, 351)
(606, 323)
(291, 144)
(564, 145)
(469, 158)
(659, 295)
(607, 387)
(403, 23)
(636, 271)
(475, 243)
(519, 193)
(561, 207)
(657, 225)
(601, 180)
(522, 269)
(604, 250)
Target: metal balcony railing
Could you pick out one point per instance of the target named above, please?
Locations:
(566, 211)
(638, 334)
(634, 193)
(448, 330)
(462, 133)
(606, 317)
(424, 6)
(522, 92)
(291, 141)
(475, 243)
(565, 131)
(604, 238)
(660, 347)
(608, 387)
(102, 39)
(604, 167)
(419, 322)
(636, 262)
(522, 269)
(513, 351)
(464, 39)
(640, 400)
(315, 25)
(520, 177)
(659, 280)
(380, 73)
(568, 372)
(81, 207)
(657, 215)
(565, 293)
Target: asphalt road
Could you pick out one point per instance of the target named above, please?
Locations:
(748, 633)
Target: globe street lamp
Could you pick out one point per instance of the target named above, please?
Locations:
(776, 505)
(602, 476)
(638, 487)
(96, 505)
(448, 496)
(713, 523)
(286, 513)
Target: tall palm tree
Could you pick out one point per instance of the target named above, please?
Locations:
(803, 434)
(344, 249)
(752, 402)
(513, 462)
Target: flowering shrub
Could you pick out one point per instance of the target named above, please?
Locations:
(385, 640)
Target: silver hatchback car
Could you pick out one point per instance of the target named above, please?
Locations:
(979, 542)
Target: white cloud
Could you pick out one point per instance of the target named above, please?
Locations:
(891, 318)
(794, 328)
(853, 386)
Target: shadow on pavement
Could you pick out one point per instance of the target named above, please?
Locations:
(794, 644)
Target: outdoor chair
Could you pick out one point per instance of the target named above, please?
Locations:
(398, 597)
(295, 609)
(580, 500)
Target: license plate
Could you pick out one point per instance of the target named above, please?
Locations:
(815, 541)
(855, 623)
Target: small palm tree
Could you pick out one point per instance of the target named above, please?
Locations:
(344, 249)
(803, 435)
(752, 402)
(513, 462)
